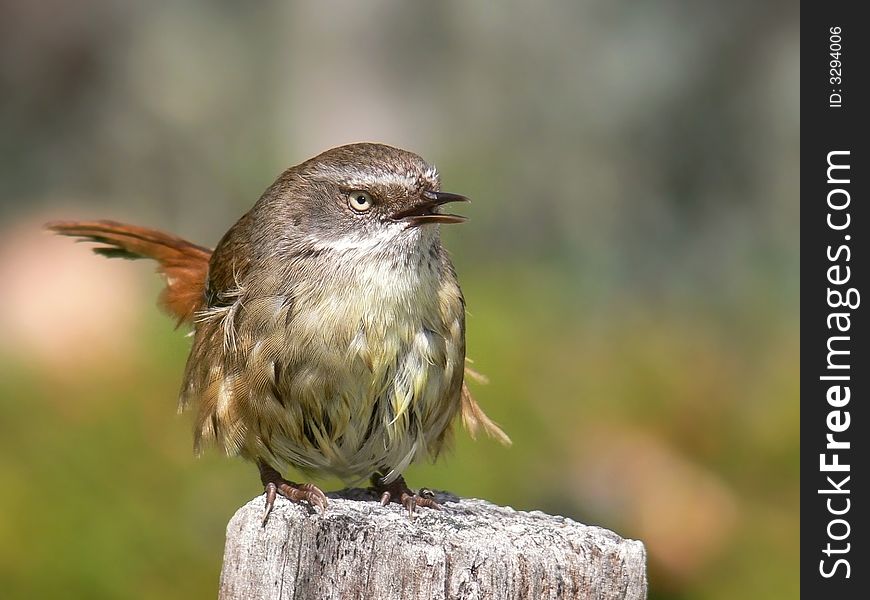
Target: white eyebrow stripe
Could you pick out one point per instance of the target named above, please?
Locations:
(362, 179)
(386, 180)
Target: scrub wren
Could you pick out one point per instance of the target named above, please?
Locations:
(329, 327)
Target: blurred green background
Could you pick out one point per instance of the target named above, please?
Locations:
(630, 267)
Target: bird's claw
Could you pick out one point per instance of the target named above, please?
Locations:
(398, 491)
(274, 484)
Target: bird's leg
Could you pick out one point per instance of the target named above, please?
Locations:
(399, 492)
(274, 484)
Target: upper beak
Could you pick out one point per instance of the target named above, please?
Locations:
(424, 211)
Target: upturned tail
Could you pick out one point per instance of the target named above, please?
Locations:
(184, 265)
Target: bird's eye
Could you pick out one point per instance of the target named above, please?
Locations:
(360, 201)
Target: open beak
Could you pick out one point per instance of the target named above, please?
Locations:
(425, 211)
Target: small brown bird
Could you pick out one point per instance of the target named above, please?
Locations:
(329, 327)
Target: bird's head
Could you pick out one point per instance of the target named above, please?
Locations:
(362, 196)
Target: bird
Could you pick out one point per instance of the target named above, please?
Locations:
(328, 325)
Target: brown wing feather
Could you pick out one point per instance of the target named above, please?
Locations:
(183, 264)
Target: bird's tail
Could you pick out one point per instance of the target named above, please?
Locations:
(183, 264)
(473, 416)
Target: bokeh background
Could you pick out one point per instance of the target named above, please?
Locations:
(630, 267)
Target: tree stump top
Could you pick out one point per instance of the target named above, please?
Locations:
(471, 549)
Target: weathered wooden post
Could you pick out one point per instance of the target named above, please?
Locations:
(470, 550)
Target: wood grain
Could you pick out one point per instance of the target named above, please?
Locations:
(471, 549)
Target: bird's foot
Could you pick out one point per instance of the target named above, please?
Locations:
(399, 492)
(274, 484)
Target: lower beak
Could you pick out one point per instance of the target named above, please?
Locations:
(425, 211)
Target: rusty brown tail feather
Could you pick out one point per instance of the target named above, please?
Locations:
(183, 264)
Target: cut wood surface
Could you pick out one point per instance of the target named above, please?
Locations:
(471, 549)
